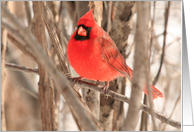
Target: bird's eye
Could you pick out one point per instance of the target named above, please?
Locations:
(81, 31)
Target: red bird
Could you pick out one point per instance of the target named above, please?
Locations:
(94, 55)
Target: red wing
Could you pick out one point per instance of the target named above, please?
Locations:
(112, 56)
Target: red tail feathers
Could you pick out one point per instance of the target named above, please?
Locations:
(156, 93)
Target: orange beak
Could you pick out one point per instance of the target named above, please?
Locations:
(82, 31)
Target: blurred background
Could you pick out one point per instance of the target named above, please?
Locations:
(19, 90)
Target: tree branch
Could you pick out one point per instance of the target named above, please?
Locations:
(122, 98)
(167, 10)
(44, 87)
(21, 68)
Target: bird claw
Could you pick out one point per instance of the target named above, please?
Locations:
(105, 92)
(97, 82)
(105, 88)
(75, 79)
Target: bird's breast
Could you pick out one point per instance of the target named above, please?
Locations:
(85, 58)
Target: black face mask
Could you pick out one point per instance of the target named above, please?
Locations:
(88, 29)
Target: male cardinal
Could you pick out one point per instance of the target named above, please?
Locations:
(93, 54)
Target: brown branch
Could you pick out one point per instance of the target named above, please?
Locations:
(20, 68)
(144, 116)
(44, 87)
(63, 86)
(167, 10)
(123, 98)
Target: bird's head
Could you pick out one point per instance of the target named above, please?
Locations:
(84, 26)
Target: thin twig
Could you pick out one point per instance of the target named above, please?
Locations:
(144, 116)
(152, 27)
(131, 48)
(167, 10)
(20, 68)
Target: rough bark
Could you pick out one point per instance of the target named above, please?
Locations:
(44, 87)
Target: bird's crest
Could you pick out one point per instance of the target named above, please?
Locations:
(87, 19)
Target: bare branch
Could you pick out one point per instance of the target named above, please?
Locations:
(167, 10)
(21, 68)
(123, 98)
(44, 87)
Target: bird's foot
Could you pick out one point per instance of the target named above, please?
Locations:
(75, 80)
(105, 88)
(97, 82)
